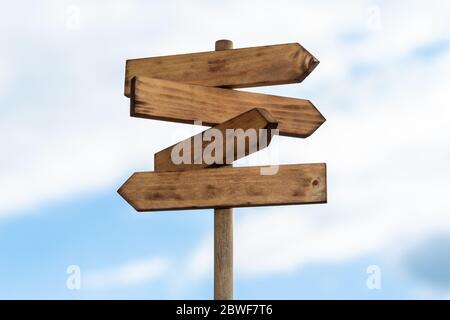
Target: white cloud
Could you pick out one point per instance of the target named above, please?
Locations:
(136, 272)
(385, 142)
(431, 293)
(388, 182)
(387, 160)
(91, 143)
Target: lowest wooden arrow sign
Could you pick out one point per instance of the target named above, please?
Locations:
(226, 187)
(180, 102)
(235, 68)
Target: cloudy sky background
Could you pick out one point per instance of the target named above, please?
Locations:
(67, 143)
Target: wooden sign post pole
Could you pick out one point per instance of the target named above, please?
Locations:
(198, 86)
(223, 235)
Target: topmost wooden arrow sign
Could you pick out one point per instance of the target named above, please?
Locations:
(234, 68)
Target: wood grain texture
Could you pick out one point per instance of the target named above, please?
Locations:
(179, 102)
(255, 120)
(237, 68)
(223, 254)
(223, 232)
(225, 187)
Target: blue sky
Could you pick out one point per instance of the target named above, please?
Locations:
(68, 143)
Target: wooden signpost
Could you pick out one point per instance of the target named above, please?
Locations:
(225, 187)
(197, 173)
(248, 67)
(254, 119)
(180, 102)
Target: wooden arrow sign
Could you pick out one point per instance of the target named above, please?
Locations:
(229, 141)
(180, 102)
(236, 68)
(197, 87)
(225, 187)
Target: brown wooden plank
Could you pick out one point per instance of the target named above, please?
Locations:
(232, 148)
(225, 187)
(223, 253)
(223, 234)
(236, 68)
(180, 102)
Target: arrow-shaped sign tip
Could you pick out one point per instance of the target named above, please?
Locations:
(313, 63)
(320, 119)
(307, 62)
(125, 193)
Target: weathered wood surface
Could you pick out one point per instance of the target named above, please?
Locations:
(224, 145)
(237, 68)
(223, 232)
(180, 102)
(225, 187)
(223, 254)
